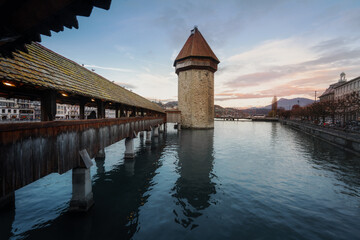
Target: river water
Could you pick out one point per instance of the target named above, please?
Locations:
(242, 180)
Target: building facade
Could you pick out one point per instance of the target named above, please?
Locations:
(329, 94)
(195, 66)
(19, 109)
(346, 95)
(347, 87)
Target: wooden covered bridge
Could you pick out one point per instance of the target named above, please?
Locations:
(29, 151)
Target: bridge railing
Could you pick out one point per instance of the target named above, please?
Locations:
(29, 151)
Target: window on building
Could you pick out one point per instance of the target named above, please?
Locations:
(3, 111)
(9, 110)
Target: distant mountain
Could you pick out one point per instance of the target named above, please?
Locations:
(256, 111)
(171, 104)
(220, 111)
(288, 103)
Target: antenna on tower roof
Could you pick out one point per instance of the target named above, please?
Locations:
(195, 29)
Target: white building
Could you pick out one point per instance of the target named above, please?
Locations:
(18, 109)
(347, 87)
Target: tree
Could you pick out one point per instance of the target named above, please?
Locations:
(319, 110)
(274, 107)
(331, 107)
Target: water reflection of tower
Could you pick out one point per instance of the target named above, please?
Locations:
(194, 187)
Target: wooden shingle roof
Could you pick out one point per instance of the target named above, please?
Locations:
(196, 46)
(41, 67)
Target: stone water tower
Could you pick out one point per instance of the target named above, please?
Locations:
(195, 66)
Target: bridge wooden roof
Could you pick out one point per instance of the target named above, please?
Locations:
(43, 69)
(22, 21)
(196, 46)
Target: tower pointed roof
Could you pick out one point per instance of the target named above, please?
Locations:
(196, 46)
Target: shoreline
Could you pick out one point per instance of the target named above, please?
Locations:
(346, 141)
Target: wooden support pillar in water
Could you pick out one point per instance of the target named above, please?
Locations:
(82, 195)
(100, 155)
(148, 137)
(129, 167)
(129, 148)
(7, 202)
(156, 131)
(48, 106)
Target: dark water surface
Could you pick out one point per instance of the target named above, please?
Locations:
(242, 180)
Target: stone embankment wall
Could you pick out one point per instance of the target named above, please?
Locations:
(196, 98)
(347, 141)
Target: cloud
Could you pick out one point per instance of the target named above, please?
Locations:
(110, 68)
(312, 65)
(285, 90)
(274, 52)
(253, 79)
(126, 85)
(231, 96)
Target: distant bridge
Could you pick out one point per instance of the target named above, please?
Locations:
(230, 118)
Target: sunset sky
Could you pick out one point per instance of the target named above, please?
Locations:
(266, 48)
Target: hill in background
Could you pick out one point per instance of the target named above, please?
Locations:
(221, 111)
(288, 103)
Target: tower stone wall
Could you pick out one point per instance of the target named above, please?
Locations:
(195, 66)
(196, 98)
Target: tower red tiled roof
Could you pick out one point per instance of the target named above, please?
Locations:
(196, 46)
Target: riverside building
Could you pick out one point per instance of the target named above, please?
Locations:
(342, 89)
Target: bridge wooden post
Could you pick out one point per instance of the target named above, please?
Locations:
(100, 109)
(48, 106)
(133, 112)
(127, 111)
(82, 109)
(117, 111)
(122, 109)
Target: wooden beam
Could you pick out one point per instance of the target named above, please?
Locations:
(82, 109)
(100, 109)
(48, 105)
